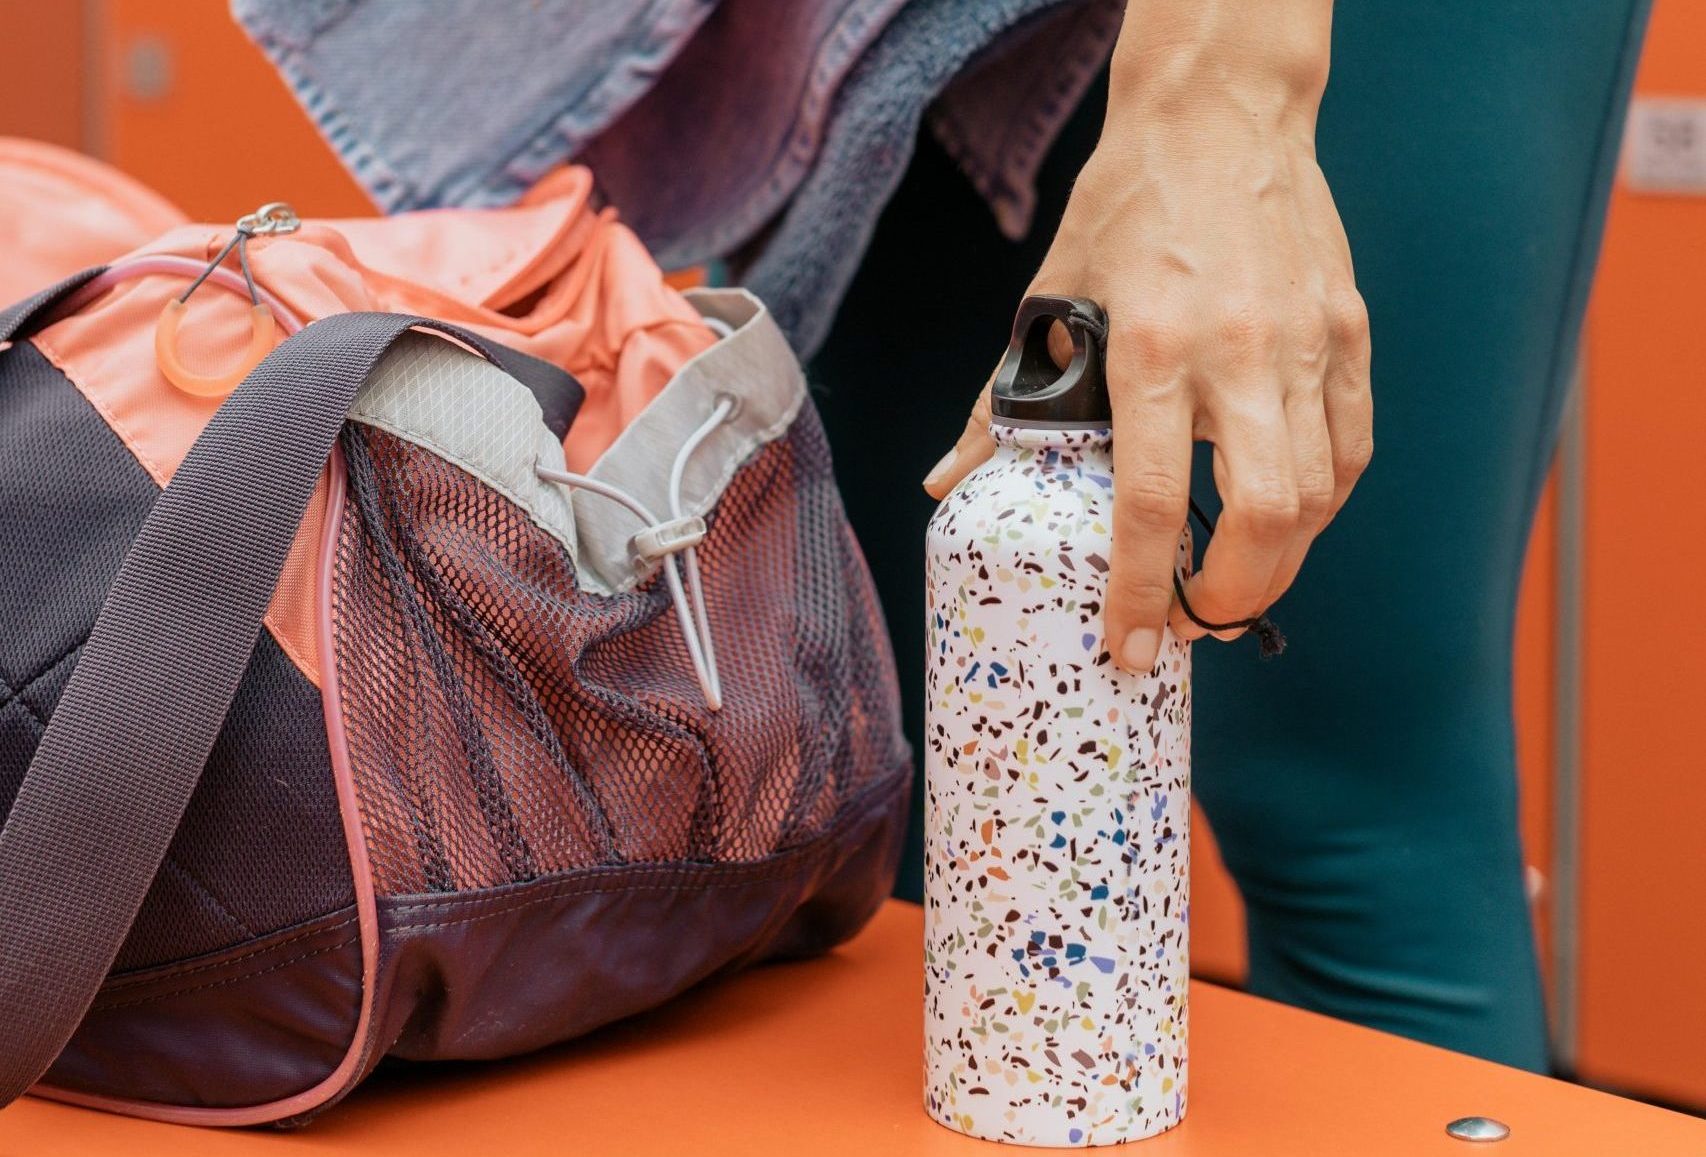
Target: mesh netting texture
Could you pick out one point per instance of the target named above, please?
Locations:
(505, 724)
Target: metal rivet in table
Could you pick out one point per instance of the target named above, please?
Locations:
(1478, 1129)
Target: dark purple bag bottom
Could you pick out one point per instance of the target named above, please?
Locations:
(471, 976)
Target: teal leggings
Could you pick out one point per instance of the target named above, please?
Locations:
(1362, 786)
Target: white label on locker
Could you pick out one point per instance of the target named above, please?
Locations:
(1665, 151)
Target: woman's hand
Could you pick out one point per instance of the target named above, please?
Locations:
(1203, 225)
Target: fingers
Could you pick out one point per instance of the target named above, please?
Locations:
(1347, 399)
(972, 450)
(1329, 417)
(1312, 468)
(1287, 455)
(1152, 472)
(1060, 344)
(1303, 366)
(1257, 480)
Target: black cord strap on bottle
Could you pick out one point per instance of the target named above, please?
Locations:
(1269, 638)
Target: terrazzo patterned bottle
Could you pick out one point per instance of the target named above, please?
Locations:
(1058, 787)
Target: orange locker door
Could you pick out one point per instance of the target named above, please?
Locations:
(192, 109)
(1642, 911)
(41, 91)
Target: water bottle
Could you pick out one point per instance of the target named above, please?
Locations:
(1058, 786)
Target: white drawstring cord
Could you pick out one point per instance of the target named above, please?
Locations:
(727, 406)
(664, 540)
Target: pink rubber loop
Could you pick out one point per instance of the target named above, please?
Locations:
(165, 263)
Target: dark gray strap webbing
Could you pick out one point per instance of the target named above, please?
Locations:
(559, 395)
(126, 743)
(26, 316)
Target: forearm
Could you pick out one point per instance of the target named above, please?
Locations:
(1191, 60)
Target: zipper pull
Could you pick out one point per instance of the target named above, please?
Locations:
(273, 219)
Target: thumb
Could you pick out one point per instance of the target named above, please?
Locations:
(972, 450)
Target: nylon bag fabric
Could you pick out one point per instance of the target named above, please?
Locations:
(371, 713)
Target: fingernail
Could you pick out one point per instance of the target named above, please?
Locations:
(940, 470)
(1138, 653)
(1228, 636)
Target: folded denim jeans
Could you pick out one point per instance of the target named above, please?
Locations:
(765, 132)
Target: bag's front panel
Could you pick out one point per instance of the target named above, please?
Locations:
(561, 830)
(504, 724)
(261, 850)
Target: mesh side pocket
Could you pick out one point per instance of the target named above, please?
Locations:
(504, 724)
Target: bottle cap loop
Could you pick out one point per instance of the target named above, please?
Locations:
(1030, 389)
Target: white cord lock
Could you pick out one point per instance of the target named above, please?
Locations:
(666, 538)
(675, 541)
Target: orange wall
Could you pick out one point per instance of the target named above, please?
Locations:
(41, 96)
(1534, 696)
(224, 135)
(1643, 910)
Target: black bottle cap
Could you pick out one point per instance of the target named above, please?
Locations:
(1030, 389)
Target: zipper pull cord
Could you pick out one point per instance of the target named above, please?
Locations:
(272, 219)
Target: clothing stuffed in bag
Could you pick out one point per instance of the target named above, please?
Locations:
(467, 794)
(796, 118)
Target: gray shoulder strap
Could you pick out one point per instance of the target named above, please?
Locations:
(24, 318)
(126, 744)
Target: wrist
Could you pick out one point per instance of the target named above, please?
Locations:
(1259, 62)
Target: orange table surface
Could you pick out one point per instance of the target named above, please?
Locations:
(823, 1057)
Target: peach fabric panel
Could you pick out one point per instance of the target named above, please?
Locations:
(107, 350)
(61, 212)
(552, 277)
